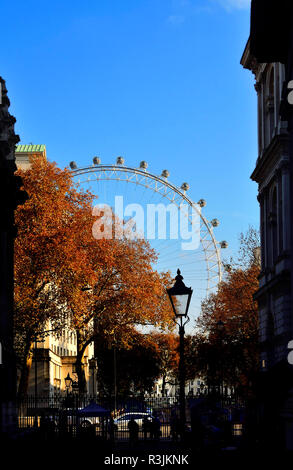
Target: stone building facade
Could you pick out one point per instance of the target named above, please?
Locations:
(10, 195)
(53, 359)
(271, 173)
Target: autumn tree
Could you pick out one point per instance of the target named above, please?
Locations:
(135, 365)
(120, 289)
(226, 346)
(167, 344)
(45, 255)
(64, 276)
(146, 358)
(124, 291)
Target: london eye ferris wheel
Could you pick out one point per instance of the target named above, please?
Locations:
(194, 250)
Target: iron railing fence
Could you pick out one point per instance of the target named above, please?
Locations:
(61, 414)
(109, 418)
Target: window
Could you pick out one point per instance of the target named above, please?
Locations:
(260, 120)
(237, 429)
(270, 333)
(278, 89)
(270, 326)
(280, 215)
(263, 230)
(274, 226)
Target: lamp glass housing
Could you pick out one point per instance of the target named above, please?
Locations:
(68, 381)
(220, 325)
(180, 296)
(180, 304)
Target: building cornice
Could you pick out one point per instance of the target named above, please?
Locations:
(280, 143)
(249, 62)
(282, 279)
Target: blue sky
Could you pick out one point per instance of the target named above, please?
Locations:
(155, 80)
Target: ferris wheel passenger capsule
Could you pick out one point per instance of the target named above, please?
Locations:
(185, 186)
(223, 244)
(143, 165)
(73, 165)
(96, 161)
(120, 161)
(165, 174)
(215, 223)
(202, 203)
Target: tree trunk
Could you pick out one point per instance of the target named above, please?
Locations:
(25, 372)
(81, 374)
(163, 385)
(80, 364)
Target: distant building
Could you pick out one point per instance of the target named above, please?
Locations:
(54, 357)
(24, 152)
(171, 388)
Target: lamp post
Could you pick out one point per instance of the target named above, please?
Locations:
(93, 368)
(36, 382)
(115, 377)
(180, 297)
(68, 383)
(36, 371)
(220, 329)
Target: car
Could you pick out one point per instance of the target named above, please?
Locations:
(121, 422)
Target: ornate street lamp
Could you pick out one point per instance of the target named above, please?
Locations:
(220, 325)
(180, 297)
(68, 382)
